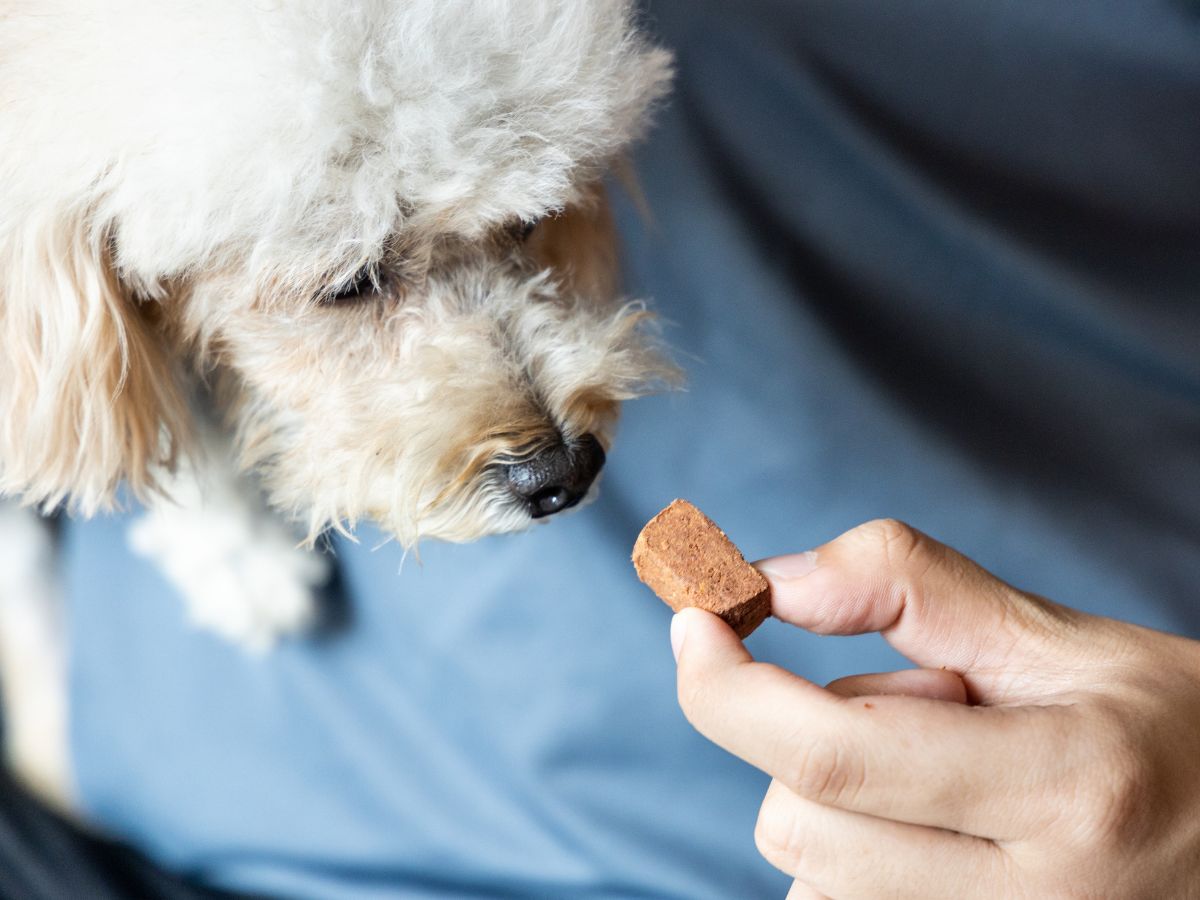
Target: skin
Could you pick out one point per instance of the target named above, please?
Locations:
(1037, 752)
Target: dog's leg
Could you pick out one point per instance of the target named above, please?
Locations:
(33, 671)
(238, 567)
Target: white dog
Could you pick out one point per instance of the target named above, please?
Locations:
(358, 250)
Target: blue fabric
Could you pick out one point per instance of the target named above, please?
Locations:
(936, 260)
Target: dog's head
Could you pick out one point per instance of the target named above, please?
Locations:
(376, 228)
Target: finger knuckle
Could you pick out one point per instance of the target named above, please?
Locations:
(823, 771)
(1118, 808)
(782, 836)
(1117, 791)
(893, 542)
(775, 837)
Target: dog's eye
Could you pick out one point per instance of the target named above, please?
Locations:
(363, 284)
(520, 230)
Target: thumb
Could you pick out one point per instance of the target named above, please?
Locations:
(931, 603)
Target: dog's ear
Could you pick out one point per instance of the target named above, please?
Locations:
(87, 398)
(579, 245)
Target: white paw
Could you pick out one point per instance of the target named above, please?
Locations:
(237, 567)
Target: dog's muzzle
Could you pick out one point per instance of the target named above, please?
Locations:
(557, 477)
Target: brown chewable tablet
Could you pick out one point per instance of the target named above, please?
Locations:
(687, 560)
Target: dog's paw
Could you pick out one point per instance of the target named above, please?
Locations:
(237, 567)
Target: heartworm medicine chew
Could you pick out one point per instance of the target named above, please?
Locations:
(687, 560)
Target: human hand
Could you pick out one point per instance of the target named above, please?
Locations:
(1039, 752)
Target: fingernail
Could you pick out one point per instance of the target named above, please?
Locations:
(678, 629)
(786, 568)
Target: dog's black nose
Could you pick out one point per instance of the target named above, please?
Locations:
(557, 477)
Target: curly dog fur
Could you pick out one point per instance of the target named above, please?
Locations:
(353, 254)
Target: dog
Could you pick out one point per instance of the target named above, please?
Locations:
(355, 256)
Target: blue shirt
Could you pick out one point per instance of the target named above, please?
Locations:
(938, 262)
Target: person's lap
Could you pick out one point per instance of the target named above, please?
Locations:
(45, 857)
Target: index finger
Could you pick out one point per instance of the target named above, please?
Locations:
(979, 770)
